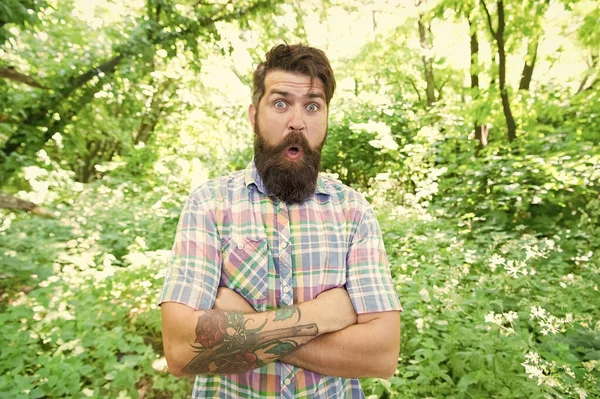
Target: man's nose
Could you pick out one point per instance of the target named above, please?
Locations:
(297, 119)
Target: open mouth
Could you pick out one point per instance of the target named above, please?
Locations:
(294, 152)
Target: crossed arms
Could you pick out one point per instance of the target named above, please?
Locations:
(322, 335)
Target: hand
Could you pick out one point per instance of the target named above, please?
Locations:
(230, 301)
(337, 302)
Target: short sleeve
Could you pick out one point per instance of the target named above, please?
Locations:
(194, 268)
(368, 279)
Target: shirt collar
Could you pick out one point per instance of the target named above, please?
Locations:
(252, 177)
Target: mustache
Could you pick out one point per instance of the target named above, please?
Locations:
(294, 139)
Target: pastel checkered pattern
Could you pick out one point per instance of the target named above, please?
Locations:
(275, 254)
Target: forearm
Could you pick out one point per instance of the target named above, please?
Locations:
(228, 342)
(360, 350)
(231, 342)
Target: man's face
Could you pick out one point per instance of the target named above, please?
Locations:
(290, 127)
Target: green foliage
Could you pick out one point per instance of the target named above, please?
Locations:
(542, 182)
(90, 332)
(470, 301)
(494, 248)
(20, 13)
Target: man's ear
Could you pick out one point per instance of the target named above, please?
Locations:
(252, 114)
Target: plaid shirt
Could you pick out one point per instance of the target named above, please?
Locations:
(275, 254)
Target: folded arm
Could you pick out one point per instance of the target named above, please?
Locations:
(229, 341)
(366, 349)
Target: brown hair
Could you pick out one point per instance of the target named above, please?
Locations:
(296, 58)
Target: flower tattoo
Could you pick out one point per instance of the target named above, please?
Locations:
(225, 345)
(210, 330)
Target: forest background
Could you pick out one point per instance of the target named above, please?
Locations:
(472, 126)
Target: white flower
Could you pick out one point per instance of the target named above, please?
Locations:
(569, 318)
(495, 261)
(420, 323)
(425, 295)
(489, 318)
(581, 392)
(537, 313)
(591, 365)
(57, 137)
(43, 156)
(506, 331)
(569, 372)
(494, 318)
(534, 372)
(551, 381)
(510, 316)
(514, 268)
(532, 357)
(33, 172)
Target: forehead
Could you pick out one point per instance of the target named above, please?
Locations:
(291, 82)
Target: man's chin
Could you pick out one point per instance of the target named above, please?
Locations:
(290, 181)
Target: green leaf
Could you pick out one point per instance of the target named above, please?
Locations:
(592, 355)
(286, 313)
(465, 381)
(282, 348)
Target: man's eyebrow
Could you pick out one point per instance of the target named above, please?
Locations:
(317, 94)
(288, 94)
(279, 92)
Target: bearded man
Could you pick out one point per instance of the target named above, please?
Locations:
(279, 285)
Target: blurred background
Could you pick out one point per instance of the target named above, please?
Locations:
(473, 127)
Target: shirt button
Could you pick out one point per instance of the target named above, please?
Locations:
(240, 246)
(286, 289)
(284, 244)
(287, 381)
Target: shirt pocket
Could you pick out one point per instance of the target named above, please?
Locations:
(245, 268)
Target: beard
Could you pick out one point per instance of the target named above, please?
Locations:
(291, 181)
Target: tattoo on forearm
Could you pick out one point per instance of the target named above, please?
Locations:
(286, 313)
(225, 345)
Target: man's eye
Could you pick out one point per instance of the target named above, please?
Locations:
(312, 107)
(280, 104)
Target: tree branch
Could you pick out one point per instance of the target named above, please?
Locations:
(106, 67)
(18, 204)
(489, 18)
(588, 75)
(414, 85)
(11, 73)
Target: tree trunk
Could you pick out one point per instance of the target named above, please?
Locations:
(533, 43)
(426, 58)
(510, 121)
(498, 35)
(474, 44)
(529, 64)
(474, 56)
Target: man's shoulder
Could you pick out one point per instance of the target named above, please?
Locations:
(219, 188)
(342, 193)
